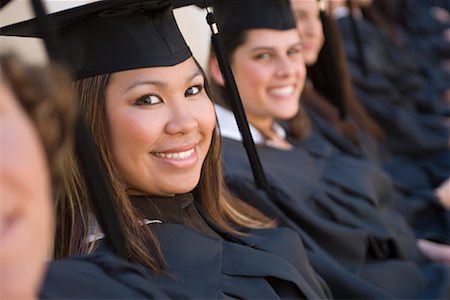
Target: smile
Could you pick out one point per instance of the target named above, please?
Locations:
(282, 92)
(175, 155)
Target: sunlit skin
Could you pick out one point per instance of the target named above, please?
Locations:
(160, 126)
(26, 215)
(310, 28)
(269, 70)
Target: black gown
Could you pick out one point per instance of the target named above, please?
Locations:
(336, 213)
(417, 142)
(417, 203)
(207, 263)
(101, 276)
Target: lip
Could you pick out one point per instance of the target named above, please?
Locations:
(282, 91)
(185, 156)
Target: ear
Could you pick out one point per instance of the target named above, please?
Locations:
(214, 71)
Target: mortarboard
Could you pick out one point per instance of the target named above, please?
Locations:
(238, 15)
(110, 36)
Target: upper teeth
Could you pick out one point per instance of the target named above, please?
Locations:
(285, 91)
(176, 155)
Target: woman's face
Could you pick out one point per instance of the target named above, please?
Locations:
(270, 73)
(161, 123)
(26, 214)
(310, 28)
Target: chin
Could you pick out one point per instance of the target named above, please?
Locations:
(186, 187)
(311, 59)
(287, 113)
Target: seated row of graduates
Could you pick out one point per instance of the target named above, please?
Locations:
(329, 228)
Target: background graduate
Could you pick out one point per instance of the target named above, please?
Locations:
(358, 134)
(330, 211)
(417, 141)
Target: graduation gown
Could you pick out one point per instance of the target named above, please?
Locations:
(412, 197)
(207, 263)
(367, 147)
(409, 72)
(101, 276)
(340, 214)
(424, 134)
(417, 142)
(355, 232)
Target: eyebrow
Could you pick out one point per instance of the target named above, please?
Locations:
(161, 83)
(299, 43)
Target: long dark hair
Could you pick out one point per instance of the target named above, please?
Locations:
(321, 75)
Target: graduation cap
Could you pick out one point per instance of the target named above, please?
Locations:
(110, 36)
(238, 15)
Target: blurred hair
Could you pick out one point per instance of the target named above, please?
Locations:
(46, 95)
(321, 75)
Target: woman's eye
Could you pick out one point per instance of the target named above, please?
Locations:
(262, 56)
(294, 51)
(193, 90)
(148, 100)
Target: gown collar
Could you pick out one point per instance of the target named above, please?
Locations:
(229, 128)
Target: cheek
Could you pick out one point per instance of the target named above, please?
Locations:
(131, 133)
(206, 117)
(251, 79)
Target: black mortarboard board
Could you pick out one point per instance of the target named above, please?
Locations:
(238, 15)
(110, 36)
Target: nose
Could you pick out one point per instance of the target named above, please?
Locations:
(181, 120)
(285, 67)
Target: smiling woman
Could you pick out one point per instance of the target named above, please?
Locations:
(170, 121)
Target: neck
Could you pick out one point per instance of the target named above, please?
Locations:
(272, 137)
(263, 124)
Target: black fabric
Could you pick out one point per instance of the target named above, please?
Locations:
(110, 36)
(411, 193)
(367, 148)
(207, 263)
(336, 213)
(409, 132)
(240, 15)
(102, 276)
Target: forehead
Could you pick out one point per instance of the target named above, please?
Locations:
(271, 38)
(169, 74)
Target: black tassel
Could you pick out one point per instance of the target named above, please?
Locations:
(100, 192)
(236, 105)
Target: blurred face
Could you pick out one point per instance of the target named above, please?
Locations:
(310, 28)
(26, 215)
(161, 123)
(270, 73)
